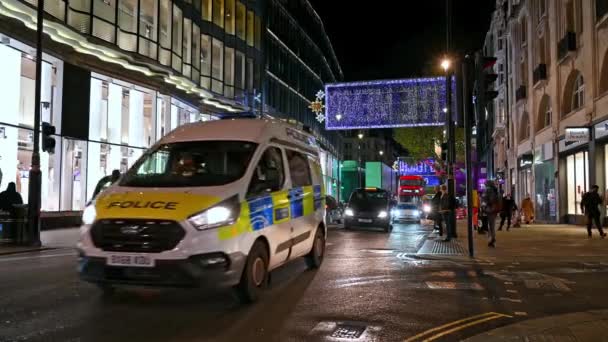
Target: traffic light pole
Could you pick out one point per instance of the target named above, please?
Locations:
(468, 149)
(35, 175)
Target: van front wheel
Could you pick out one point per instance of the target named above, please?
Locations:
(314, 259)
(255, 274)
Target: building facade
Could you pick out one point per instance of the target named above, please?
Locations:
(555, 96)
(117, 75)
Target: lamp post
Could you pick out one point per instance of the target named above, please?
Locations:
(360, 136)
(446, 66)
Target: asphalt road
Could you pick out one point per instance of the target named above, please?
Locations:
(372, 286)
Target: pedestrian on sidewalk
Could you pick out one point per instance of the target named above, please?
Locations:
(447, 204)
(9, 198)
(590, 207)
(527, 206)
(435, 214)
(491, 200)
(508, 206)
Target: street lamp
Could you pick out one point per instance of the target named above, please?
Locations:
(360, 135)
(381, 153)
(445, 64)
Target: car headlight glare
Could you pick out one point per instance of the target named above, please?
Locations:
(222, 214)
(349, 212)
(89, 214)
(416, 212)
(382, 214)
(426, 208)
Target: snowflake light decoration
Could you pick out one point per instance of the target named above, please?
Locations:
(320, 95)
(318, 107)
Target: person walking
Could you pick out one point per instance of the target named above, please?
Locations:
(435, 206)
(492, 208)
(508, 206)
(590, 207)
(447, 204)
(528, 209)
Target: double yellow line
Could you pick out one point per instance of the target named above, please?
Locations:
(446, 329)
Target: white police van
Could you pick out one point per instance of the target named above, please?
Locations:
(212, 204)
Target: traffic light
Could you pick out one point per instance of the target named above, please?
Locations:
(484, 83)
(444, 151)
(48, 142)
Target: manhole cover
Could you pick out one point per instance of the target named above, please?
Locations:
(349, 331)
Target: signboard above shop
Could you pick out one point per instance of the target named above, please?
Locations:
(575, 137)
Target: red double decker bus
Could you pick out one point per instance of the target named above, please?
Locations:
(411, 186)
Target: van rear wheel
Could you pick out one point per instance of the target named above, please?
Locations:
(314, 259)
(255, 275)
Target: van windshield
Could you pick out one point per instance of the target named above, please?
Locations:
(190, 164)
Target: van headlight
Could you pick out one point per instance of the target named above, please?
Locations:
(349, 212)
(382, 214)
(222, 214)
(89, 214)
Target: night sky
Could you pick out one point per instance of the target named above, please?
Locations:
(400, 38)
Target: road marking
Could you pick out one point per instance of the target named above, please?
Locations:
(512, 291)
(513, 300)
(521, 313)
(33, 257)
(456, 326)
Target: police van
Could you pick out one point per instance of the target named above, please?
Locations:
(212, 204)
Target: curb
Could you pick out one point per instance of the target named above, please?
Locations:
(29, 250)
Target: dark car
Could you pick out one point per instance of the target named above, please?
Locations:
(406, 212)
(369, 207)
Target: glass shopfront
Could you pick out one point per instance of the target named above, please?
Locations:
(18, 69)
(577, 182)
(124, 120)
(544, 184)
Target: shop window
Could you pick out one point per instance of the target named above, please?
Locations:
(250, 28)
(258, 32)
(164, 56)
(74, 174)
(206, 9)
(241, 14)
(577, 168)
(127, 23)
(148, 27)
(217, 59)
(230, 14)
(187, 53)
(229, 73)
(218, 13)
(205, 61)
(178, 27)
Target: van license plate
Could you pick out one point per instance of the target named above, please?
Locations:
(365, 220)
(130, 260)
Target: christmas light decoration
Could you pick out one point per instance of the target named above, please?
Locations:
(386, 104)
(318, 107)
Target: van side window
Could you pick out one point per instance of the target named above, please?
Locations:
(299, 168)
(269, 174)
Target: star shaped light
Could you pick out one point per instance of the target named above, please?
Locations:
(320, 95)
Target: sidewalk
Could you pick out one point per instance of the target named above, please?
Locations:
(579, 326)
(51, 239)
(537, 241)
